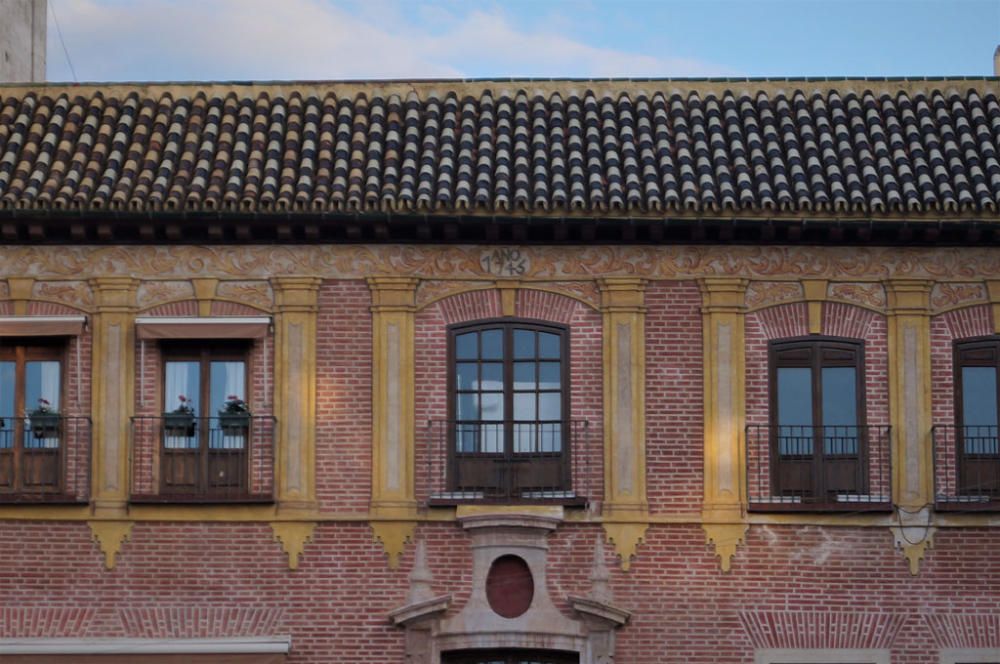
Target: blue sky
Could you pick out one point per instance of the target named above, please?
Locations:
(323, 39)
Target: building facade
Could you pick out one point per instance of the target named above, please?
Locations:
(500, 371)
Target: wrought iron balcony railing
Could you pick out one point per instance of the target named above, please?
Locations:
(966, 467)
(182, 458)
(505, 462)
(45, 458)
(843, 468)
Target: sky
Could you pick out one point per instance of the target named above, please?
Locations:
(198, 40)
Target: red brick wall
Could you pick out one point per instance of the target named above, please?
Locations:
(674, 396)
(344, 396)
(790, 586)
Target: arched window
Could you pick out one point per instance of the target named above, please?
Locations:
(508, 411)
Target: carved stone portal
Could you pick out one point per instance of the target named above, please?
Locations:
(590, 632)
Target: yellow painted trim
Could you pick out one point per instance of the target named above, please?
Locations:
(625, 538)
(110, 535)
(393, 389)
(297, 304)
(393, 535)
(815, 296)
(910, 388)
(624, 369)
(20, 290)
(293, 537)
(725, 537)
(204, 292)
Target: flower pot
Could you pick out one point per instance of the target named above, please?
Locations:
(234, 424)
(44, 425)
(178, 425)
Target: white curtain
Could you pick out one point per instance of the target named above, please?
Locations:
(50, 384)
(234, 381)
(177, 380)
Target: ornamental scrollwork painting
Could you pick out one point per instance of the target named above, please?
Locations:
(951, 295)
(254, 293)
(249, 262)
(871, 296)
(157, 292)
(74, 293)
(767, 293)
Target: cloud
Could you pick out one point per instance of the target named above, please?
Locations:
(310, 39)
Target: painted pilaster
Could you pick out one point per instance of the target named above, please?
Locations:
(393, 451)
(297, 303)
(724, 397)
(625, 503)
(910, 413)
(113, 379)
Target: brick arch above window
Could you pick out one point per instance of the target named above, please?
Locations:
(967, 323)
(42, 308)
(847, 320)
(533, 303)
(784, 321)
(181, 308)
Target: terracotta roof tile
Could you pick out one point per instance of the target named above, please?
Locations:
(842, 150)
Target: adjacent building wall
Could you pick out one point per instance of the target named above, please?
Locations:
(22, 40)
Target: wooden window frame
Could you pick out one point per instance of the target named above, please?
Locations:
(816, 363)
(21, 350)
(962, 459)
(204, 352)
(508, 326)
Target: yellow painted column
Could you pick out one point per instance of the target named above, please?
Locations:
(625, 504)
(113, 378)
(297, 303)
(393, 446)
(723, 309)
(910, 391)
(910, 413)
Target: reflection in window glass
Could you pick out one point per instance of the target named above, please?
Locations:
(465, 346)
(492, 344)
(7, 388)
(524, 344)
(979, 410)
(795, 416)
(840, 410)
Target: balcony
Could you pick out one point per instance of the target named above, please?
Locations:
(190, 459)
(44, 459)
(966, 468)
(508, 462)
(813, 468)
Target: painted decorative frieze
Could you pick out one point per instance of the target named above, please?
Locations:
(153, 293)
(768, 293)
(946, 296)
(74, 293)
(871, 296)
(467, 262)
(254, 293)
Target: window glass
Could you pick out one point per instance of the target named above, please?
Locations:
(492, 376)
(7, 413)
(466, 376)
(524, 344)
(548, 346)
(182, 380)
(840, 410)
(41, 384)
(465, 346)
(524, 375)
(492, 406)
(795, 416)
(492, 344)
(979, 410)
(7, 389)
(549, 377)
(227, 379)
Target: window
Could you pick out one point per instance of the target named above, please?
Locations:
(508, 411)
(31, 427)
(204, 452)
(509, 657)
(818, 437)
(970, 656)
(976, 408)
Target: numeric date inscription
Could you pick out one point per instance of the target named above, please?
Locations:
(505, 262)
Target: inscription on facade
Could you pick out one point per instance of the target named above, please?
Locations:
(505, 262)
